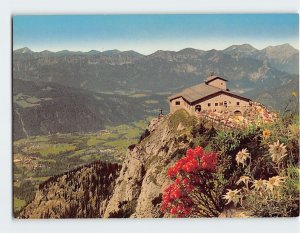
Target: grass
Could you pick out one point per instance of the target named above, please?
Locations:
(76, 153)
(26, 101)
(49, 161)
(56, 149)
(18, 204)
(151, 101)
(98, 97)
(182, 117)
(132, 133)
(87, 158)
(138, 95)
(41, 157)
(121, 144)
(94, 140)
(25, 104)
(40, 179)
(33, 100)
(108, 136)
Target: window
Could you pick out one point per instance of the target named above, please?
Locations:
(237, 103)
(177, 103)
(221, 83)
(216, 104)
(225, 103)
(208, 104)
(198, 108)
(221, 103)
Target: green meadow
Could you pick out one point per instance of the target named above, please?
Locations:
(40, 157)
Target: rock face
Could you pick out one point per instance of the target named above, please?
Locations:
(134, 190)
(143, 177)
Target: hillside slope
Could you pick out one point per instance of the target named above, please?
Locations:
(137, 191)
(280, 97)
(42, 108)
(81, 193)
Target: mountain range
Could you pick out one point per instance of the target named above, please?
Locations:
(243, 65)
(114, 86)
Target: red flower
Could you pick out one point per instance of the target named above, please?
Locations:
(163, 207)
(198, 152)
(187, 211)
(177, 181)
(173, 210)
(189, 153)
(187, 177)
(189, 188)
(180, 207)
(177, 193)
(185, 181)
(171, 172)
(209, 161)
(167, 199)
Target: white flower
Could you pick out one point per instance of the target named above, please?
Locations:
(274, 181)
(242, 156)
(244, 179)
(232, 196)
(259, 184)
(278, 151)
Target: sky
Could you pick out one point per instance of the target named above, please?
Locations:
(149, 33)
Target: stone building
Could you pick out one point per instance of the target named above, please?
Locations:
(210, 96)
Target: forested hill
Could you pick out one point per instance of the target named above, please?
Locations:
(80, 193)
(42, 108)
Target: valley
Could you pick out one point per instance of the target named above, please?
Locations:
(39, 157)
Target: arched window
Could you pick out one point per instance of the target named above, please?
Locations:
(198, 108)
(237, 113)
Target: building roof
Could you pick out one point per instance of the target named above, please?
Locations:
(213, 77)
(201, 91)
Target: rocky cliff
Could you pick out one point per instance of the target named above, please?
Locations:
(135, 190)
(143, 177)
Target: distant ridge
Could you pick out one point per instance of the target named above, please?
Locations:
(115, 71)
(248, 47)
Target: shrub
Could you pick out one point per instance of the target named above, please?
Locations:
(196, 186)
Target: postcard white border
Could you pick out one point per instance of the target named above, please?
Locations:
(14, 7)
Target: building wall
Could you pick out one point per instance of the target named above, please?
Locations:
(233, 104)
(219, 83)
(182, 105)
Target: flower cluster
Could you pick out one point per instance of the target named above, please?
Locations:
(266, 134)
(176, 200)
(242, 156)
(186, 173)
(232, 196)
(262, 186)
(194, 161)
(278, 151)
